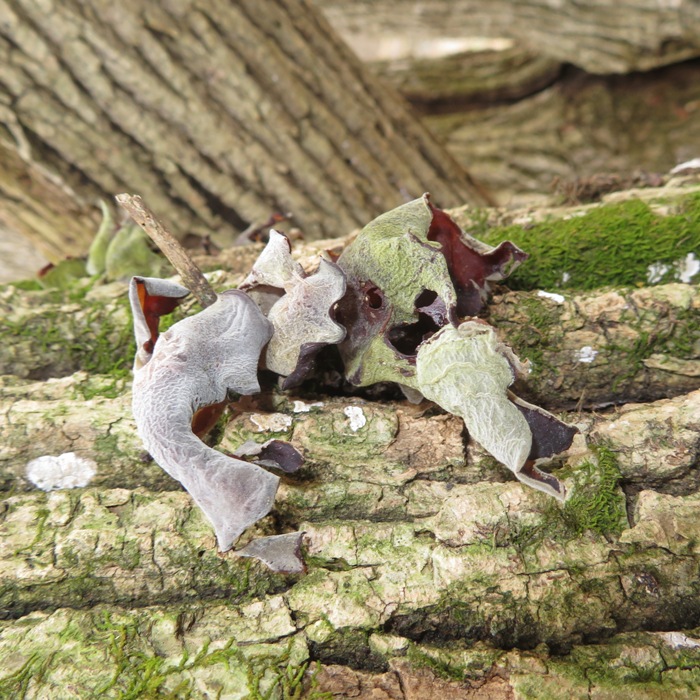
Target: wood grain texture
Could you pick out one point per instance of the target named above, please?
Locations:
(217, 114)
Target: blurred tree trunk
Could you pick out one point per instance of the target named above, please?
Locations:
(600, 37)
(218, 114)
(541, 94)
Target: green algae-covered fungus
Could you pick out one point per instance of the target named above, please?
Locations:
(409, 272)
(415, 283)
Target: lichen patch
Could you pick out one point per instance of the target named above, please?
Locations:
(65, 471)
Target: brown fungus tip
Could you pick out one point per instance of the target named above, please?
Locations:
(151, 298)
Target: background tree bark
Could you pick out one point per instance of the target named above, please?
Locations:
(576, 128)
(519, 115)
(218, 115)
(600, 37)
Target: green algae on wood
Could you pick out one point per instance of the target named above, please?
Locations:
(86, 547)
(625, 344)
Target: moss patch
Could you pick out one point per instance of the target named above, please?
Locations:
(133, 655)
(597, 503)
(612, 244)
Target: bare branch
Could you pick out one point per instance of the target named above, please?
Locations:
(192, 276)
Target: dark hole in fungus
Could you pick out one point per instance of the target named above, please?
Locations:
(406, 337)
(432, 315)
(425, 298)
(373, 298)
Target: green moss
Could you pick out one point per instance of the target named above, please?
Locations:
(540, 337)
(675, 337)
(457, 661)
(110, 348)
(597, 503)
(613, 244)
(273, 676)
(130, 662)
(98, 340)
(34, 671)
(28, 285)
(441, 667)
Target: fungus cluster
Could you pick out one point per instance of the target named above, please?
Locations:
(401, 303)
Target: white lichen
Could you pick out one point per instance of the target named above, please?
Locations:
(356, 417)
(558, 298)
(678, 640)
(687, 268)
(586, 354)
(65, 471)
(301, 407)
(271, 422)
(656, 272)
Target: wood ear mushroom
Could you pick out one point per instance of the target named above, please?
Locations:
(407, 292)
(194, 365)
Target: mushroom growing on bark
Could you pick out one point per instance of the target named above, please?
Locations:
(416, 283)
(300, 307)
(401, 302)
(194, 366)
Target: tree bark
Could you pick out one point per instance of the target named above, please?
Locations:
(600, 37)
(469, 80)
(579, 127)
(520, 117)
(217, 115)
(431, 570)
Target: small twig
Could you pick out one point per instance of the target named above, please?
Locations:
(192, 276)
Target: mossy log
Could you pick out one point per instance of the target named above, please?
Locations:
(413, 540)
(589, 346)
(431, 570)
